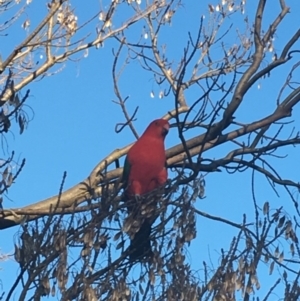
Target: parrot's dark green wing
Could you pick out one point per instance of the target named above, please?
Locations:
(126, 171)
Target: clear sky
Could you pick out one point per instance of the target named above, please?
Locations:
(73, 121)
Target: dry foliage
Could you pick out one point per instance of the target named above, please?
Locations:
(74, 245)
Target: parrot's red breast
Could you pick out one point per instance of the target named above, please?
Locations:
(144, 168)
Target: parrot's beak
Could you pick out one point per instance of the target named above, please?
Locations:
(165, 129)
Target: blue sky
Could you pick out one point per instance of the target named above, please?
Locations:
(73, 120)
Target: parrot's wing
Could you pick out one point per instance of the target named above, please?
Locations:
(126, 171)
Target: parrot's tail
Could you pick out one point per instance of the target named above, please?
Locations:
(140, 246)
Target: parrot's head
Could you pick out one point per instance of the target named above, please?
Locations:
(159, 128)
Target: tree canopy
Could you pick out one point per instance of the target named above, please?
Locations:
(225, 76)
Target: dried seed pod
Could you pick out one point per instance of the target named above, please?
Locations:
(271, 267)
(266, 208)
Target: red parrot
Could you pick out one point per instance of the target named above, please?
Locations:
(144, 171)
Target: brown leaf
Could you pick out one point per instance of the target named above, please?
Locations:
(9, 180)
(281, 257)
(5, 173)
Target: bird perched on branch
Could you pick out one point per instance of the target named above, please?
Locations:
(144, 171)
